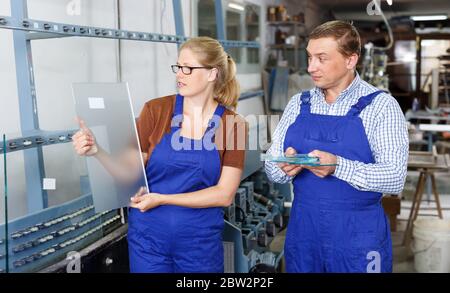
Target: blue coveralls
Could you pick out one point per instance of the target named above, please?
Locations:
(173, 238)
(334, 227)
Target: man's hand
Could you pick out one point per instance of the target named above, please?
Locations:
(289, 169)
(324, 158)
(145, 201)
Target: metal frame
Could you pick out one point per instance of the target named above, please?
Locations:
(37, 198)
(248, 95)
(55, 30)
(38, 138)
(26, 30)
(178, 15)
(220, 21)
(32, 137)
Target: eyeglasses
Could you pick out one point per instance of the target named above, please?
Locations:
(186, 69)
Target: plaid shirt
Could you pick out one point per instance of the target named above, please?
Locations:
(386, 130)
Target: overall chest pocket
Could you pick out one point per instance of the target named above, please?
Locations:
(326, 130)
(185, 169)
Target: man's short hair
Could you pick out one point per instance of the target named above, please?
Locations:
(346, 35)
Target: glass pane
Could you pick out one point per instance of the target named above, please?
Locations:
(89, 60)
(405, 72)
(3, 214)
(252, 13)
(5, 8)
(50, 207)
(206, 18)
(234, 33)
(117, 173)
(100, 13)
(431, 50)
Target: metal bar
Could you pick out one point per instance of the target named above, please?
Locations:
(118, 43)
(248, 95)
(64, 29)
(38, 139)
(240, 44)
(220, 21)
(33, 158)
(43, 36)
(178, 15)
(25, 24)
(430, 149)
(418, 64)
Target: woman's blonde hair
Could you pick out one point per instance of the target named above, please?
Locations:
(210, 53)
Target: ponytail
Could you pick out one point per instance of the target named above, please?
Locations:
(226, 88)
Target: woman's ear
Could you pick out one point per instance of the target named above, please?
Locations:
(213, 74)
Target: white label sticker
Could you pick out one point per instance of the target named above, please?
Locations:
(49, 184)
(96, 103)
(36, 25)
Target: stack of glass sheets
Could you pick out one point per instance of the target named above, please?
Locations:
(297, 159)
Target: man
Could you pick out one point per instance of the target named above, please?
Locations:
(337, 223)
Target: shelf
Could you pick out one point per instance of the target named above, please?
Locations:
(292, 69)
(400, 94)
(282, 46)
(285, 47)
(45, 28)
(285, 23)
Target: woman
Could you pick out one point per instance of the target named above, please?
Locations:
(194, 147)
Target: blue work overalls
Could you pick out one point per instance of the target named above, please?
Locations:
(174, 238)
(334, 227)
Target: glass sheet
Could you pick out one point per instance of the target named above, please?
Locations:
(106, 110)
(3, 202)
(298, 159)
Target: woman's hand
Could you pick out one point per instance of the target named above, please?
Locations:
(145, 201)
(84, 141)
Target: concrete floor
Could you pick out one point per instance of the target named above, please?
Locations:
(403, 257)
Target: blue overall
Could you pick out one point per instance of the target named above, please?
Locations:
(174, 238)
(334, 227)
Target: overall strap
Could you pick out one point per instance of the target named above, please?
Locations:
(306, 102)
(362, 103)
(177, 115)
(214, 122)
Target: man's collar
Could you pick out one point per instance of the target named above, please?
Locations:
(353, 85)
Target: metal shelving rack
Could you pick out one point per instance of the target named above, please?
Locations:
(25, 30)
(285, 48)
